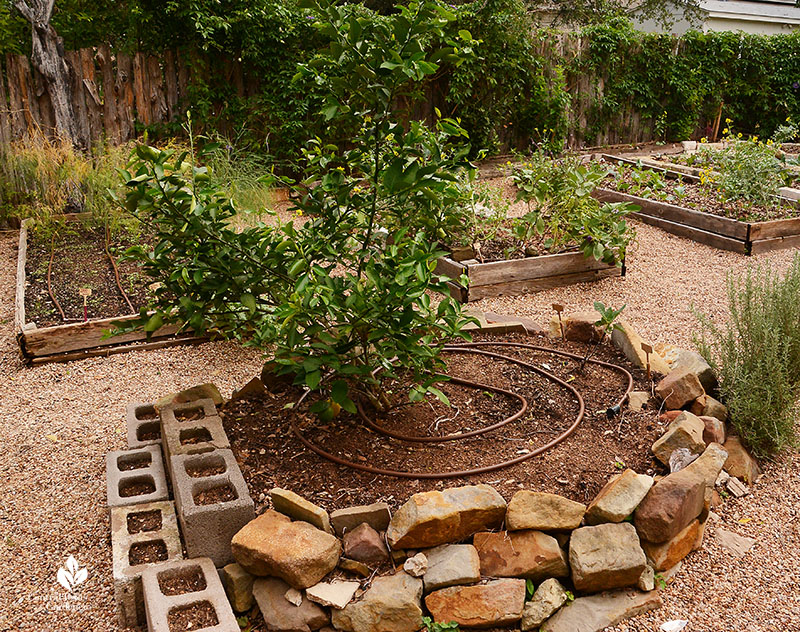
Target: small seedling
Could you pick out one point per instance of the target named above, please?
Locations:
(661, 583)
(619, 464)
(607, 324)
(570, 596)
(558, 308)
(433, 626)
(530, 588)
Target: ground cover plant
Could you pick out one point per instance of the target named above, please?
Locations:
(757, 356)
(342, 299)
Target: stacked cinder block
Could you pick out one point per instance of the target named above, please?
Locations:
(143, 424)
(135, 476)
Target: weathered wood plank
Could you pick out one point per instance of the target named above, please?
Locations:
(109, 351)
(5, 120)
(777, 243)
(91, 95)
(19, 297)
(47, 117)
(16, 116)
(511, 288)
(449, 268)
(677, 214)
(140, 89)
(775, 228)
(695, 234)
(123, 87)
(155, 81)
(110, 114)
(73, 58)
(30, 104)
(78, 336)
(531, 268)
(171, 83)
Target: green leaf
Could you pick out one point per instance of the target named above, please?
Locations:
(312, 379)
(155, 322)
(339, 391)
(249, 301)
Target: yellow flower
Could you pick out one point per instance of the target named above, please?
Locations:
(299, 212)
(728, 121)
(704, 140)
(726, 131)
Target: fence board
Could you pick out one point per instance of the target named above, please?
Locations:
(14, 98)
(141, 89)
(155, 80)
(123, 87)
(110, 114)
(5, 120)
(171, 84)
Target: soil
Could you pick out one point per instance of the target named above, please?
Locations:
(196, 616)
(698, 197)
(80, 261)
(221, 494)
(201, 471)
(144, 521)
(186, 580)
(270, 455)
(147, 552)
(138, 488)
(138, 463)
(192, 414)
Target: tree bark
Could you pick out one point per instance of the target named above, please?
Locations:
(48, 57)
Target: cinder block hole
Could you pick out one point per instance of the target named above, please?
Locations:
(218, 494)
(190, 414)
(149, 431)
(136, 486)
(194, 616)
(143, 413)
(147, 552)
(179, 581)
(208, 465)
(139, 521)
(134, 461)
(194, 435)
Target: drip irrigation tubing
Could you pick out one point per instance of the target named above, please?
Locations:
(49, 275)
(116, 271)
(472, 347)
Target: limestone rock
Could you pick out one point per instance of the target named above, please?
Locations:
(416, 566)
(736, 487)
(627, 340)
(714, 431)
(296, 552)
(580, 327)
(333, 594)
(707, 406)
(496, 603)
(680, 459)
(428, 519)
(679, 388)
(355, 567)
(238, 586)
(637, 400)
(376, 515)
(545, 512)
(364, 544)
(598, 612)
(202, 391)
(297, 507)
(647, 580)
(695, 363)
(735, 544)
(391, 604)
(619, 498)
(740, 463)
(669, 553)
(686, 431)
(606, 556)
(450, 565)
(548, 598)
(279, 614)
(254, 388)
(530, 554)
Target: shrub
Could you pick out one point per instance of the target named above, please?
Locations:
(751, 171)
(757, 356)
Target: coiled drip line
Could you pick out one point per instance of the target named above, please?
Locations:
(475, 349)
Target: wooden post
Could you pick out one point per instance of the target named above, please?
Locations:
(647, 351)
(558, 309)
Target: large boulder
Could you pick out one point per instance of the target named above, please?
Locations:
(686, 431)
(598, 612)
(548, 598)
(740, 463)
(606, 556)
(496, 603)
(391, 604)
(428, 519)
(695, 363)
(280, 614)
(666, 554)
(545, 512)
(619, 498)
(679, 388)
(297, 552)
(530, 554)
(627, 340)
(451, 565)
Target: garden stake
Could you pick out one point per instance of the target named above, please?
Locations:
(85, 292)
(559, 308)
(647, 351)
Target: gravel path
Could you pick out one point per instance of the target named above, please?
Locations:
(58, 421)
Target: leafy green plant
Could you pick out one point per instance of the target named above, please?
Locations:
(607, 323)
(750, 171)
(433, 626)
(756, 353)
(343, 299)
(530, 588)
(786, 132)
(660, 582)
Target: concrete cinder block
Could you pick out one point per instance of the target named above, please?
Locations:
(192, 437)
(186, 586)
(143, 425)
(209, 528)
(135, 476)
(134, 527)
(187, 412)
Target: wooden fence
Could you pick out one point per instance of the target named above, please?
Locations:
(112, 93)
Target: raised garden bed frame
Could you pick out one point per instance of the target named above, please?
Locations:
(515, 276)
(74, 341)
(748, 238)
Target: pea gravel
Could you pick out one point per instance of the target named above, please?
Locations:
(57, 422)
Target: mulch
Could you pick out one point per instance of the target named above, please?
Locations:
(270, 455)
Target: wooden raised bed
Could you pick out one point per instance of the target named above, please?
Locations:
(73, 341)
(747, 238)
(507, 278)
